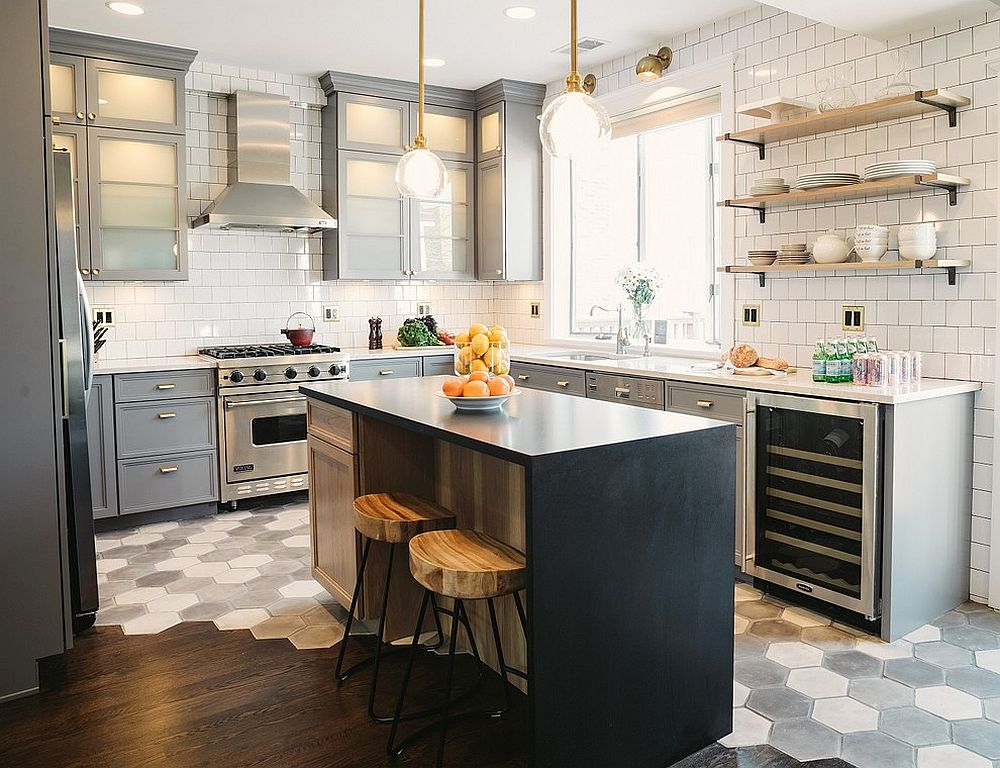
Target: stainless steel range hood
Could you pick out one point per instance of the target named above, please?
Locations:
(260, 194)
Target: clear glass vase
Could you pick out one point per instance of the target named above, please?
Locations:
(642, 327)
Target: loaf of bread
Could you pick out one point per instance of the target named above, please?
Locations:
(743, 356)
(772, 363)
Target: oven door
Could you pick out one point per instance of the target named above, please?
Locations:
(265, 435)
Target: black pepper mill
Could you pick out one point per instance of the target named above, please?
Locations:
(371, 333)
(378, 333)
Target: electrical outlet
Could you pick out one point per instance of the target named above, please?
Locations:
(751, 314)
(104, 316)
(854, 318)
(424, 309)
(331, 313)
(536, 309)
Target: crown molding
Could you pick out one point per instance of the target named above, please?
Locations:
(346, 82)
(76, 43)
(516, 91)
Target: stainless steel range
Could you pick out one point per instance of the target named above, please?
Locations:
(262, 416)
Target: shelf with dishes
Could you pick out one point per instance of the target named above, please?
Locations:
(845, 191)
(892, 108)
(949, 265)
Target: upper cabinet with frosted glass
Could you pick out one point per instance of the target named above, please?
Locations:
(118, 107)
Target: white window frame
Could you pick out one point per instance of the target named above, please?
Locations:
(691, 83)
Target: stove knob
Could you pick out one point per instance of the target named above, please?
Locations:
(314, 371)
(236, 376)
(336, 369)
(291, 373)
(260, 374)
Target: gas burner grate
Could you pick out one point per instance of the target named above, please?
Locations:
(264, 350)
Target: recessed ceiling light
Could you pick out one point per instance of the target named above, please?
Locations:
(520, 12)
(129, 9)
(434, 62)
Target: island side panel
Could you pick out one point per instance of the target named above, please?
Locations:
(631, 600)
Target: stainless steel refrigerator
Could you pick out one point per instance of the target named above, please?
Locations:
(76, 341)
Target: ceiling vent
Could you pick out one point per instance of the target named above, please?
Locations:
(583, 45)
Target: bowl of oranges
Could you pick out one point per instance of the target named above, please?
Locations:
(482, 350)
(479, 391)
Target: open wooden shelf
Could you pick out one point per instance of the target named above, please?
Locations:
(950, 265)
(761, 203)
(851, 117)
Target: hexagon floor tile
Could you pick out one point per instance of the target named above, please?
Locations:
(807, 686)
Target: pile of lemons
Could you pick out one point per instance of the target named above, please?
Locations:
(483, 349)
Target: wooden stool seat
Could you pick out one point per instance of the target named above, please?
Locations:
(466, 565)
(398, 517)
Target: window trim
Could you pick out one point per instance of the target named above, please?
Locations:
(690, 83)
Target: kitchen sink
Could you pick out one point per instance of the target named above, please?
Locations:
(589, 356)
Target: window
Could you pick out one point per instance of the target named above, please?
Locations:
(650, 198)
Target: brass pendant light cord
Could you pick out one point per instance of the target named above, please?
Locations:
(420, 141)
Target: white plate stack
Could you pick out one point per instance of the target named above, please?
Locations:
(826, 179)
(917, 241)
(772, 186)
(793, 253)
(893, 168)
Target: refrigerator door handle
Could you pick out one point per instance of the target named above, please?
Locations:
(87, 340)
(64, 367)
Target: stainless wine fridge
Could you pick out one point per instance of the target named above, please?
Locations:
(814, 501)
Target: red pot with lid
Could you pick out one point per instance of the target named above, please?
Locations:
(297, 332)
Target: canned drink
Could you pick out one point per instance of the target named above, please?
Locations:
(905, 367)
(916, 367)
(859, 368)
(877, 364)
(893, 365)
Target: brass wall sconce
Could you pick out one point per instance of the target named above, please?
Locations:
(590, 84)
(653, 65)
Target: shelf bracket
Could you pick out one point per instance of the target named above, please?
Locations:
(760, 147)
(952, 111)
(761, 211)
(761, 278)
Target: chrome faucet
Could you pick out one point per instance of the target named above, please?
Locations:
(622, 342)
(602, 336)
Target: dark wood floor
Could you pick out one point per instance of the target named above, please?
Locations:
(196, 696)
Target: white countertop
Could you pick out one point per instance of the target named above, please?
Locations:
(666, 368)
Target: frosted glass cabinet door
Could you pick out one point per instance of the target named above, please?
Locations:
(139, 230)
(449, 132)
(490, 215)
(67, 88)
(372, 124)
(490, 132)
(133, 96)
(441, 240)
(73, 139)
(373, 218)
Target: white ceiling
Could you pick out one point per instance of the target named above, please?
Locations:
(884, 19)
(378, 37)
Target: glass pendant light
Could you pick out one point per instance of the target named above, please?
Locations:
(575, 123)
(420, 173)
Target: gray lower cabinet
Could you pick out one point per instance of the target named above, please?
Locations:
(439, 365)
(101, 444)
(165, 482)
(386, 368)
(551, 378)
(152, 429)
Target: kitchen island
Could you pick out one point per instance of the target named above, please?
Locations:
(625, 516)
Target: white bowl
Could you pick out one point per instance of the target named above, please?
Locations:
(925, 229)
(873, 253)
(911, 252)
(479, 404)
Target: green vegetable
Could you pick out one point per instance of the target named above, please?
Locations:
(414, 333)
(431, 324)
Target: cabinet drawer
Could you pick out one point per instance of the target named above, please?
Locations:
(715, 402)
(439, 365)
(333, 424)
(177, 426)
(550, 378)
(163, 483)
(130, 387)
(385, 368)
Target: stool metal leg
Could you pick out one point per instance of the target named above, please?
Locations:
(391, 744)
(380, 639)
(500, 659)
(521, 614)
(459, 609)
(341, 676)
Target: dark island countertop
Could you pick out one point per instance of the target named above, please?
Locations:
(531, 424)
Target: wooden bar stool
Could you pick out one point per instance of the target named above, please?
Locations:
(394, 518)
(463, 565)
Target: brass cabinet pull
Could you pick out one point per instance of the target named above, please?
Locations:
(56, 120)
(562, 383)
(165, 386)
(85, 271)
(92, 116)
(170, 415)
(97, 270)
(499, 271)
(705, 403)
(523, 376)
(80, 115)
(386, 373)
(167, 470)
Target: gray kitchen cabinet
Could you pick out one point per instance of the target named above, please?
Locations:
(173, 426)
(386, 368)
(439, 365)
(442, 242)
(450, 132)
(509, 182)
(372, 124)
(166, 482)
(101, 445)
(135, 96)
(68, 89)
(138, 195)
(164, 385)
(550, 378)
(73, 140)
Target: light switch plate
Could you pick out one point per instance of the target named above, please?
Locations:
(331, 313)
(104, 316)
(536, 309)
(424, 309)
(751, 315)
(853, 318)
